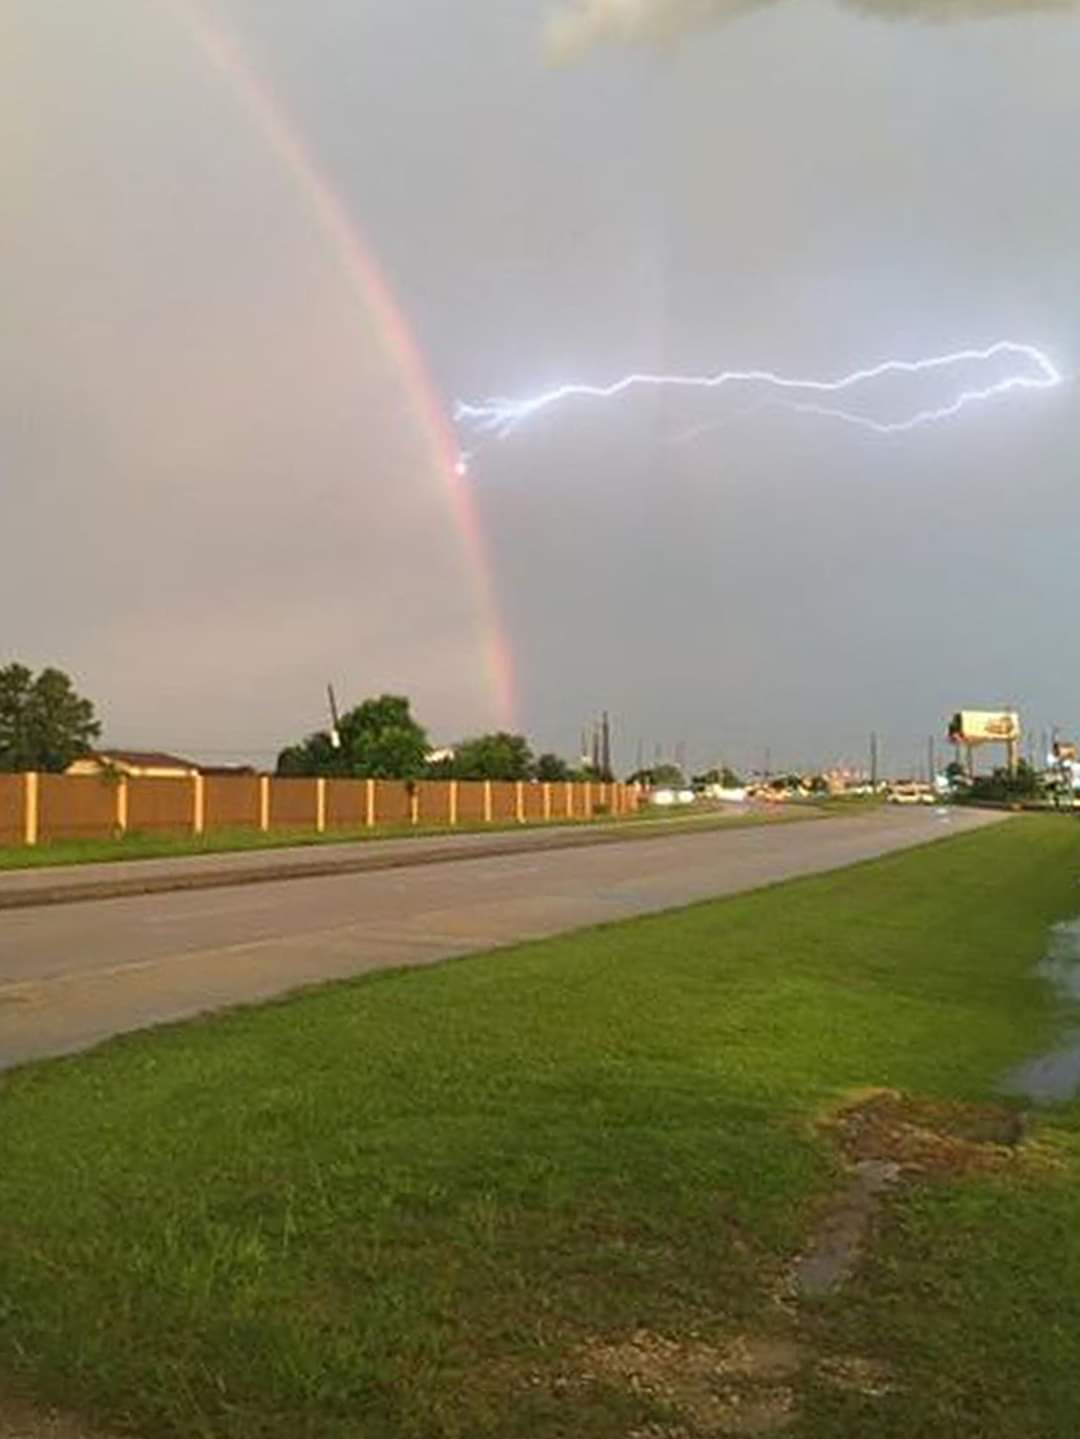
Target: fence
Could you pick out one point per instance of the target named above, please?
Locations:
(37, 808)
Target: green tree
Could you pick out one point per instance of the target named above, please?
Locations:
(1026, 783)
(660, 776)
(552, 768)
(723, 776)
(380, 739)
(494, 756)
(44, 724)
(442, 768)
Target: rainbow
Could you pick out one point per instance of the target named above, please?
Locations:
(370, 286)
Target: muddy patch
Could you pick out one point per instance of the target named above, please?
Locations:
(927, 1137)
(886, 1137)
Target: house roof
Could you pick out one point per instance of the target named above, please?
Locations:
(144, 759)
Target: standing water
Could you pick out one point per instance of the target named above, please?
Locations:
(1056, 1075)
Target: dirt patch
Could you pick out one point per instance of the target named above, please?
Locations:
(742, 1385)
(733, 1387)
(927, 1137)
(855, 1375)
(19, 1421)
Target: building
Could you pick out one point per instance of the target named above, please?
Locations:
(135, 764)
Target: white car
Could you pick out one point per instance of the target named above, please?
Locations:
(911, 794)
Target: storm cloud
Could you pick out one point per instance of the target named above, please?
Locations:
(217, 490)
(575, 29)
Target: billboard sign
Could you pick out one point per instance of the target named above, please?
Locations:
(985, 727)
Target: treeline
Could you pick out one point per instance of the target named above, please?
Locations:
(382, 739)
(1003, 785)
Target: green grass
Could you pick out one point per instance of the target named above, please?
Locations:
(136, 845)
(398, 1208)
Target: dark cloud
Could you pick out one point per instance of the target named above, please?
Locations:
(576, 27)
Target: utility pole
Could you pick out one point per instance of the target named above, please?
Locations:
(605, 748)
(873, 760)
(335, 727)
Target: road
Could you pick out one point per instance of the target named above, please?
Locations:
(74, 974)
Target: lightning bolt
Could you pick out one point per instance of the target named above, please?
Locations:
(498, 417)
(963, 401)
(916, 421)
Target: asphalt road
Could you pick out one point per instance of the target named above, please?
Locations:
(73, 974)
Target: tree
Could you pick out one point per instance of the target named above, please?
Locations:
(955, 773)
(552, 768)
(44, 724)
(379, 740)
(660, 776)
(1002, 785)
(494, 756)
(725, 777)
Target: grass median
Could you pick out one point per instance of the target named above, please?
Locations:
(457, 1203)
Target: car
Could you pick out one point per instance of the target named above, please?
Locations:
(911, 793)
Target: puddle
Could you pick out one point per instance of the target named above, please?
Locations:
(1061, 967)
(1055, 1076)
(1049, 1078)
(836, 1248)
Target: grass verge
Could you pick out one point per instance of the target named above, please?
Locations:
(447, 1204)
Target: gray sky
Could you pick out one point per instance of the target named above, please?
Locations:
(217, 492)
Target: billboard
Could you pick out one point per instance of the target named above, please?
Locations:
(985, 727)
